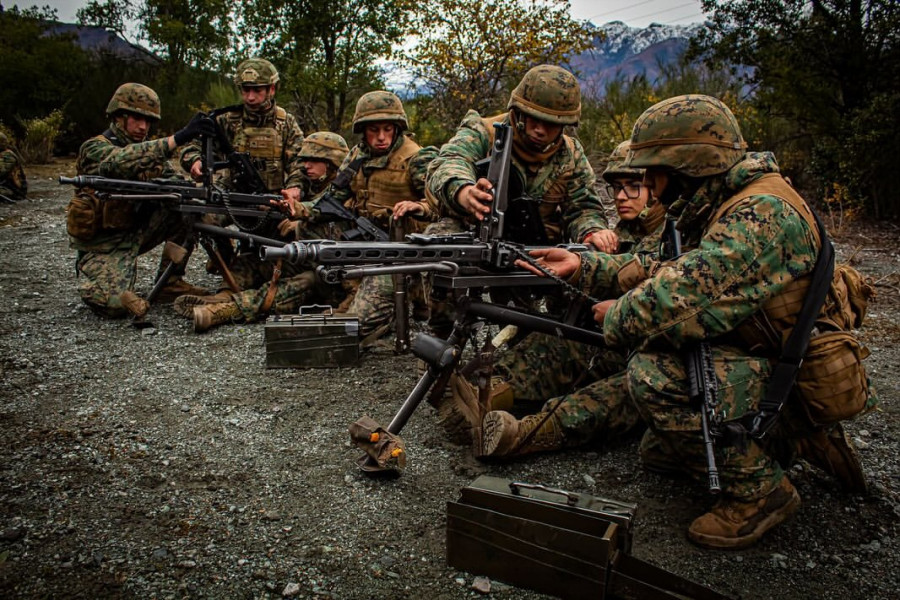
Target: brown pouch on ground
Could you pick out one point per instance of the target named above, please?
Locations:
(387, 450)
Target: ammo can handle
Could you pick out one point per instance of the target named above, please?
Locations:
(317, 309)
(516, 486)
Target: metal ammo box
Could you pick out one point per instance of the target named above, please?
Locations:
(555, 542)
(314, 338)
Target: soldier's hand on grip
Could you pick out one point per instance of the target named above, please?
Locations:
(199, 125)
(474, 199)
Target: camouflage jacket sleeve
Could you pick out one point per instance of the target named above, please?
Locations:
(418, 174)
(8, 162)
(744, 259)
(455, 164)
(583, 213)
(141, 161)
(293, 165)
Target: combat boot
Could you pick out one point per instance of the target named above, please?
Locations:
(505, 436)
(134, 304)
(184, 305)
(733, 524)
(176, 286)
(460, 412)
(207, 316)
(834, 452)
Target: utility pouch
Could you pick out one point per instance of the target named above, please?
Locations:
(832, 383)
(83, 216)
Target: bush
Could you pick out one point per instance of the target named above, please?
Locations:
(40, 136)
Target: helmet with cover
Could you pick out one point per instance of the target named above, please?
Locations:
(615, 167)
(324, 146)
(134, 98)
(379, 106)
(693, 135)
(549, 93)
(255, 72)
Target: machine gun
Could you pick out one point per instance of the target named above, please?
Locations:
(469, 261)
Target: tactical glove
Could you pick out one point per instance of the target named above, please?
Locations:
(199, 125)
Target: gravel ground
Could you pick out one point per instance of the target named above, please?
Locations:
(164, 464)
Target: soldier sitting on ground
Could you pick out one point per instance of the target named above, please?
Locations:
(584, 384)
(109, 234)
(13, 184)
(322, 154)
(751, 247)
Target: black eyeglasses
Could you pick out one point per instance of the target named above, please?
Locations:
(632, 190)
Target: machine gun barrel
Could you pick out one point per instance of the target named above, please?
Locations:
(328, 252)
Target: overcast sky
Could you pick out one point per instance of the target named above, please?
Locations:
(638, 13)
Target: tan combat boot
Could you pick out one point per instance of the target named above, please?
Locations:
(176, 286)
(834, 452)
(207, 316)
(733, 524)
(460, 412)
(134, 304)
(505, 436)
(184, 305)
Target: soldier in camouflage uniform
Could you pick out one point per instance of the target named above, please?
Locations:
(551, 165)
(542, 366)
(739, 264)
(110, 234)
(322, 154)
(272, 138)
(13, 184)
(387, 186)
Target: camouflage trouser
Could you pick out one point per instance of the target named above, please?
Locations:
(291, 292)
(542, 368)
(113, 272)
(441, 305)
(658, 385)
(373, 303)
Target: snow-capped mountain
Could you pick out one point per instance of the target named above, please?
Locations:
(628, 51)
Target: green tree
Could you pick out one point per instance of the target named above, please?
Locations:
(327, 50)
(828, 72)
(186, 33)
(36, 70)
(468, 55)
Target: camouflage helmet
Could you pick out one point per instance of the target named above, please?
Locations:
(134, 98)
(379, 106)
(694, 135)
(548, 93)
(615, 167)
(324, 146)
(255, 71)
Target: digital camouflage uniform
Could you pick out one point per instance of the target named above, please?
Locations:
(296, 285)
(126, 229)
(542, 367)
(13, 184)
(379, 183)
(273, 138)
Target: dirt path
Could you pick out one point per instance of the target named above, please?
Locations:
(164, 464)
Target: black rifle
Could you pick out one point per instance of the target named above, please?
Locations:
(701, 374)
(242, 172)
(327, 205)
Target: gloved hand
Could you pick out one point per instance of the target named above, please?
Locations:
(199, 125)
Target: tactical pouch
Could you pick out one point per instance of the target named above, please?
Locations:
(832, 383)
(83, 216)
